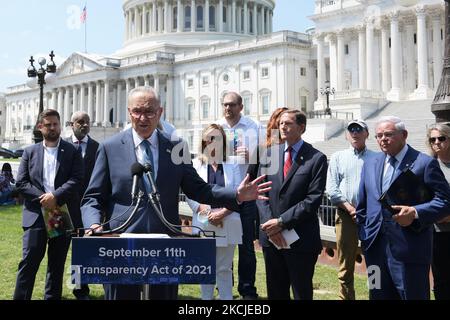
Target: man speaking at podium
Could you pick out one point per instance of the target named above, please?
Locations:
(109, 190)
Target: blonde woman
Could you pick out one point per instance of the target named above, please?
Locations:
(212, 167)
(438, 139)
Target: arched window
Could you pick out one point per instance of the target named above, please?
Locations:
(175, 18)
(212, 18)
(187, 18)
(200, 24)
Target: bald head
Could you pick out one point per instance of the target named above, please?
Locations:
(81, 124)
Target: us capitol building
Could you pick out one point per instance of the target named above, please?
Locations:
(194, 51)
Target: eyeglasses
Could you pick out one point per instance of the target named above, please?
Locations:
(149, 114)
(229, 104)
(387, 134)
(355, 129)
(440, 139)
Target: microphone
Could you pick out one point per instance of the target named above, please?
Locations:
(148, 169)
(136, 171)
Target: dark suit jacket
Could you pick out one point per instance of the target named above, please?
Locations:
(406, 245)
(297, 198)
(68, 179)
(110, 187)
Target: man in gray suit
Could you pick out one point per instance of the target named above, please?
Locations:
(50, 174)
(295, 197)
(111, 183)
(81, 126)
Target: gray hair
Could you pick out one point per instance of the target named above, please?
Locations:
(144, 89)
(443, 128)
(399, 124)
(79, 114)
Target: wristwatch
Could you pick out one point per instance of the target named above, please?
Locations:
(280, 222)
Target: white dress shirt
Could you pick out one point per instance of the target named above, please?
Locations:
(49, 172)
(83, 144)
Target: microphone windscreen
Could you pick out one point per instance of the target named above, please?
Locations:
(148, 167)
(137, 169)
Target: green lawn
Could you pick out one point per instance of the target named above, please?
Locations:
(325, 279)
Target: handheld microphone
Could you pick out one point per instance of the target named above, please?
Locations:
(136, 171)
(148, 169)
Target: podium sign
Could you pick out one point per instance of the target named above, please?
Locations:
(137, 261)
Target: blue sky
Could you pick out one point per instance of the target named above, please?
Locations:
(35, 27)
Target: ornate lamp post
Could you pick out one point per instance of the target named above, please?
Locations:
(40, 74)
(327, 91)
(441, 104)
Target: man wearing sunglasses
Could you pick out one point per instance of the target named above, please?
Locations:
(344, 172)
(397, 257)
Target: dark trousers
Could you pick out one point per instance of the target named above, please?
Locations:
(441, 265)
(133, 292)
(247, 256)
(34, 244)
(286, 269)
(391, 279)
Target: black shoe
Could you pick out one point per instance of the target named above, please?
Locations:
(250, 297)
(83, 297)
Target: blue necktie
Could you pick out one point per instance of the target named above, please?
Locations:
(387, 179)
(148, 158)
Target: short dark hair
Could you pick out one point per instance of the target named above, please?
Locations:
(300, 116)
(48, 113)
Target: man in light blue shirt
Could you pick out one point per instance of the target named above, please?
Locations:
(344, 175)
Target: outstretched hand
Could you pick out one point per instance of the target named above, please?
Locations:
(248, 191)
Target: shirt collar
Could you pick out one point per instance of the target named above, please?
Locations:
(137, 139)
(75, 139)
(57, 146)
(296, 147)
(358, 153)
(399, 156)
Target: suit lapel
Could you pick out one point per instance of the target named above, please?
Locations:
(281, 162)
(59, 158)
(296, 163)
(379, 171)
(40, 166)
(406, 163)
(165, 151)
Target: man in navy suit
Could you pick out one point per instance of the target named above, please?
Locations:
(110, 187)
(81, 125)
(397, 257)
(298, 173)
(50, 174)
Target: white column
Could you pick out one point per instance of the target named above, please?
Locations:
(66, 107)
(125, 109)
(98, 106)
(156, 83)
(385, 83)
(82, 97)
(437, 50)
(206, 15)
(220, 21)
(255, 19)
(333, 60)
(422, 53)
(169, 100)
(362, 57)
(136, 19)
(233, 16)
(90, 108)
(370, 56)
(54, 99)
(395, 93)
(410, 59)
(321, 69)
(267, 24)
(180, 14)
(271, 21)
(146, 81)
(154, 12)
(245, 17)
(193, 16)
(119, 106)
(160, 19)
(340, 60)
(60, 101)
(106, 122)
(75, 99)
(127, 25)
(166, 17)
(144, 20)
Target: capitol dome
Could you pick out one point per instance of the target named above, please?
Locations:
(152, 23)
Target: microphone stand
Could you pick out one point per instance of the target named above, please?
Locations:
(127, 222)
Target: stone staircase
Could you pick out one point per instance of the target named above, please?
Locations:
(416, 115)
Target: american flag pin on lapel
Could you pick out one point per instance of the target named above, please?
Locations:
(168, 150)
